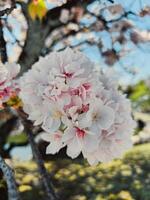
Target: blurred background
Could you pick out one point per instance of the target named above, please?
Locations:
(113, 34)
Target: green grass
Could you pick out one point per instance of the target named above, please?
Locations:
(126, 179)
(17, 139)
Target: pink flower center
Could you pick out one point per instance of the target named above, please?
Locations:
(68, 75)
(2, 83)
(7, 92)
(85, 108)
(74, 92)
(80, 133)
(57, 136)
(86, 86)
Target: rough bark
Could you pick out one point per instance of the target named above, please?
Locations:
(3, 51)
(45, 178)
(9, 177)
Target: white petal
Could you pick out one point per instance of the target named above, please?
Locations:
(84, 121)
(73, 148)
(90, 143)
(77, 101)
(48, 137)
(68, 134)
(65, 99)
(73, 112)
(13, 69)
(53, 148)
(51, 125)
(66, 121)
(106, 117)
(95, 129)
(92, 160)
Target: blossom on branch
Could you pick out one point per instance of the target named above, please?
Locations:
(77, 106)
(7, 84)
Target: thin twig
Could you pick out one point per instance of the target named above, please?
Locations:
(9, 177)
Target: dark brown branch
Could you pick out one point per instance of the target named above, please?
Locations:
(39, 30)
(3, 51)
(5, 130)
(73, 33)
(7, 11)
(79, 44)
(56, 12)
(45, 178)
(10, 179)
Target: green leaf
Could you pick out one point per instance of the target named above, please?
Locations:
(140, 90)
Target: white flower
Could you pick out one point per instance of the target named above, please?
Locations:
(111, 147)
(55, 142)
(3, 74)
(54, 81)
(64, 16)
(7, 73)
(52, 120)
(78, 140)
(7, 84)
(79, 107)
(98, 117)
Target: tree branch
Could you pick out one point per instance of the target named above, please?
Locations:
(42, 170)
(7, 11)
(39, 30)
(3, 51)
(5, 130)
(11, 183)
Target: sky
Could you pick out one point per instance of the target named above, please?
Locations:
(138, 59)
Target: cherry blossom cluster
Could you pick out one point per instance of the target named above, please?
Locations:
(77, 106)
(8, 87)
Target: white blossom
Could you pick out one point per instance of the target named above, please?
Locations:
(79, 140)
(77, 106)
(55, 142)
(64, 16)
(7, 84)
